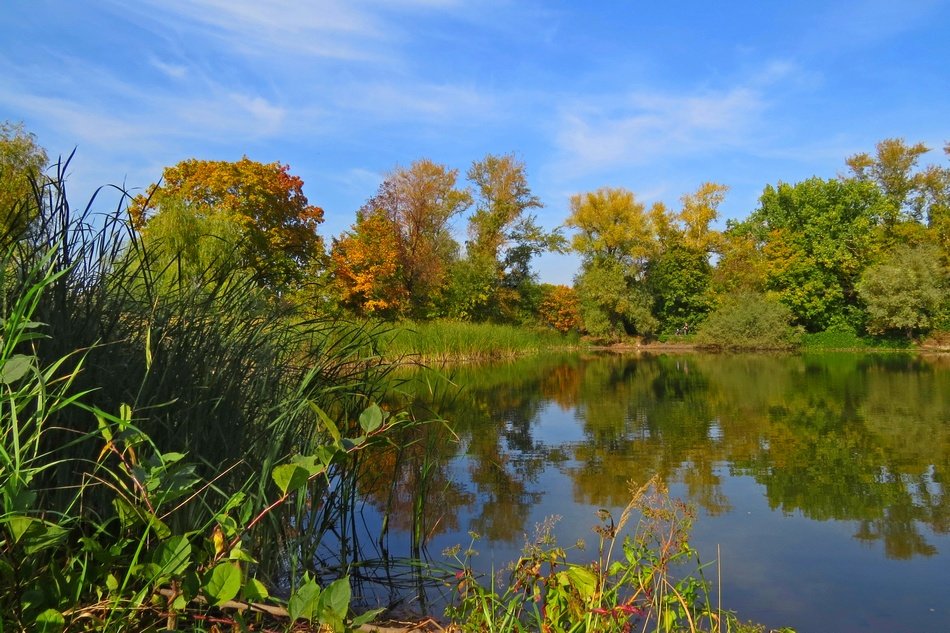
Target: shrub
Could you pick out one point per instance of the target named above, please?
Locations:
(749, 320)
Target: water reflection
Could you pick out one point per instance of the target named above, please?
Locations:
(855, 438)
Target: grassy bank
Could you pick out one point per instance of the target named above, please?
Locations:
(445, 340)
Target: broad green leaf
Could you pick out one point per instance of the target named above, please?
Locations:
(15, 368)
(583, 580)
(173, 556)
(349, 444)
(237, 553)
(49, 621)
(325, 454)
(223, 583)
(35, 535)
(254, 589)
(336, 598)
(289, 477)
(303, 602)
(371, 418)
(308, 463)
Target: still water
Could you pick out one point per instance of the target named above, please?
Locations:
(820, 481)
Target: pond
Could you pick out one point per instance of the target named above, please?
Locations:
(820, 481)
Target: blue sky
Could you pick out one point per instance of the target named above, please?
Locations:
(655, 97)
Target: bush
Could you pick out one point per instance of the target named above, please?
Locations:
(752, 321)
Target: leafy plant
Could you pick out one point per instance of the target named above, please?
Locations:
(633, 583)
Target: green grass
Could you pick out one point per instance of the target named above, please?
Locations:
(455, 340)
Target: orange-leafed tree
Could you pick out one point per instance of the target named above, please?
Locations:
(420, 201)
(560, 308)
(263, 203)
(366, 266)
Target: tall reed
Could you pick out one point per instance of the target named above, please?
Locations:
(442, 340)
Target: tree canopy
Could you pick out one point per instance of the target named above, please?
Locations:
(262, 203)
(22, 161)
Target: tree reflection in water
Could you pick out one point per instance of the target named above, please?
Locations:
(843, 437)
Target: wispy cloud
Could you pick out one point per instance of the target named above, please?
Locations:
(638, 127)
(173, 71)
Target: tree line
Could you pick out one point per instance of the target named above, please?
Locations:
(865, 252)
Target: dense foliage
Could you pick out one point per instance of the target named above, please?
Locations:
(866, 252)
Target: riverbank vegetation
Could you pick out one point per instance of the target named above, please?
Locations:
(190, 380)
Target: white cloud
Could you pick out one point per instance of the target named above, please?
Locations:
(639, 127)
(173, 71)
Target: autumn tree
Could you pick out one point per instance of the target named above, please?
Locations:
(616, 237)
(420, 202)
(366, 266)
(560, 308)
(22, 162)
(263, 205)
(700, 209)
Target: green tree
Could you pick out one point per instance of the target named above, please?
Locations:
(905, 292)
(678, 280)
(420, 201)
(495, 280)
(22, 162)
(817, 237)
(612, 304)
(678, 275)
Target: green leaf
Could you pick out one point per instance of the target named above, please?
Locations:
(365, 618)
(255, 590)
(223, 583)
(49, 621)
(336, 598)
(35, 535)
(308, 463)
(327, 422)
(15, 368)
(237, 553)
(289, 477)
(371, 418)
(583, 580)
(303, 602)
(172, 557)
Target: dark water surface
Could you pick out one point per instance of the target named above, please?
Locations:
(820, 480)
